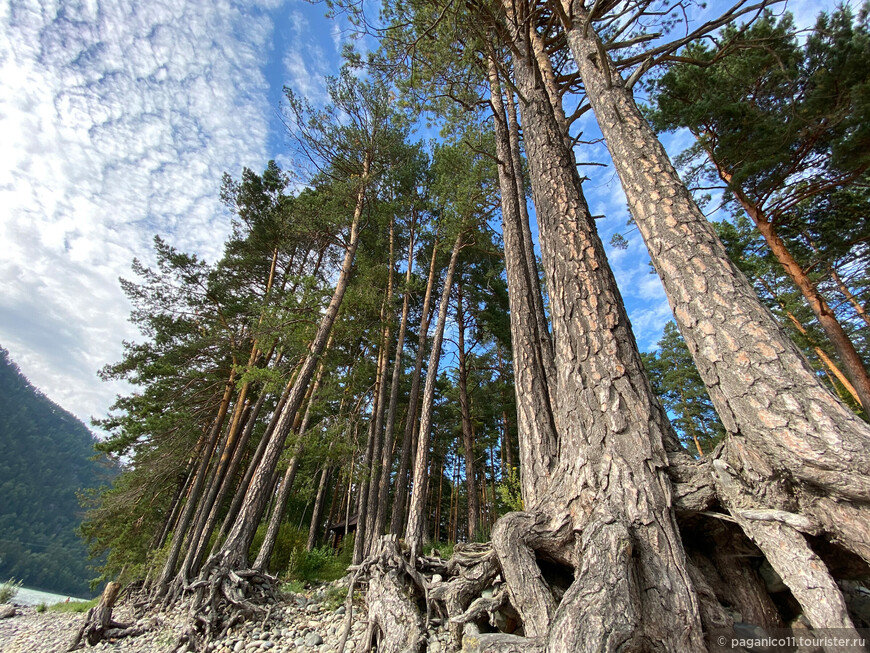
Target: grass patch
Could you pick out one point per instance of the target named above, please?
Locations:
(8, 590)
(335, 597)
(293, 587)
(74, 606)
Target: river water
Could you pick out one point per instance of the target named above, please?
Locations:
(26, 596)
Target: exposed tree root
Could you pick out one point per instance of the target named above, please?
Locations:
(222, 598)
(99, 625)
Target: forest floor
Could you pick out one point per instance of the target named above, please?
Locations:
(300, 622)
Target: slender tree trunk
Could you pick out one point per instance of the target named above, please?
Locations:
(374, 480)
(414, 532)
(465, 413)
(178, 536)
(397, 519)
(230, 476)
(264, 555)
(336, 494)
(852, 363)
(849, 295)
(375, 424)
(788, 429)
(317, 513)
(389, 431)
(234, 551)
(532, 357)
(177, 502)
(242, 488)
(829, 364)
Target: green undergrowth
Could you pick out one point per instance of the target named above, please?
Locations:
(444, 549)
(74, 606)
(297, 566)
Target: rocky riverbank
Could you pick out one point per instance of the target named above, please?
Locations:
(304, 623)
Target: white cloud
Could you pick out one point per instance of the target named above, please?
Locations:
(118, 120)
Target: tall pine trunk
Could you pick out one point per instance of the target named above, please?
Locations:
(794, 448)
(415, 530)
(532, 348)
(465, 414)
(389, 430)
(397, 519)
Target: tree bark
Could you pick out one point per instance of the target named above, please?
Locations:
(242, 488)
(389, 431)
(317, 513)
(529, 337)
(790, 437)
(372, 483)
(414, 532)
(606, 512)
(465, 413)
(397, 520)
(264, 555)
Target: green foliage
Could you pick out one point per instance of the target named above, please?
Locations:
(8, 590)
(676, 382)
(289, 542)
(510, 491)
(293, 587)
(444, 549)
(41, 608)
(46, 458)
(783, 126)
(319, 564)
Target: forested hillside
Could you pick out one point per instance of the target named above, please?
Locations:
(45, 460)
(381, 351)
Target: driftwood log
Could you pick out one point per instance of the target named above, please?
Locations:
(99, 625)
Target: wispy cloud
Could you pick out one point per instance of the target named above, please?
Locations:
(117, 122)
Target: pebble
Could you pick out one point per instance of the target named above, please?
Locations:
(303, 624)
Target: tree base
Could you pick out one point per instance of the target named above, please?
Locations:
(99, 624)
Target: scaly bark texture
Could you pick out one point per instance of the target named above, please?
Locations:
(791, 441)
(465, 414)
(604, 519)
(531, 345)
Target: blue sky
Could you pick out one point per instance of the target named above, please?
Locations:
(117, 120)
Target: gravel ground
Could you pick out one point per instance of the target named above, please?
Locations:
(301, 623)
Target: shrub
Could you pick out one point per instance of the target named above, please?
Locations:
(41, 608)
(290, 540)
(321, 564)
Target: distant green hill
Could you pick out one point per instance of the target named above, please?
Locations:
(45, 459)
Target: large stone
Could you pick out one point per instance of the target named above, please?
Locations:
(7, 611)
(313, 639)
